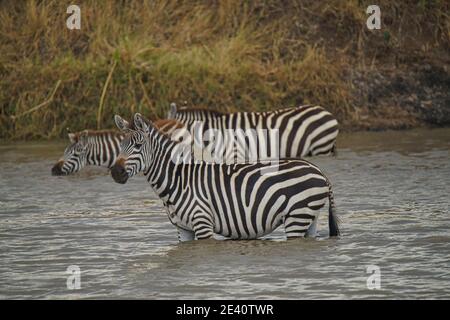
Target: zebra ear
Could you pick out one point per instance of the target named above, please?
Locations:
(140, 123)
(172, 111)
(121, 123)
(83, 138)
(72, 137)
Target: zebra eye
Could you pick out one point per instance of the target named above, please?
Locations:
(138, 145)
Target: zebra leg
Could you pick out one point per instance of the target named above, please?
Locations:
(203, 226)
(185, 235)
(334, 152)
(298, 222)
(312, 230)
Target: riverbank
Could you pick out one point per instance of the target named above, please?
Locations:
(229, 56)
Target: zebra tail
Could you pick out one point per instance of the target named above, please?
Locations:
(334, 151)
(333, 219)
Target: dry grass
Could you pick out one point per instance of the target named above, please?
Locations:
(231, 55)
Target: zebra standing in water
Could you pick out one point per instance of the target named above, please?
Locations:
(239, 201)
(98, 148)
(101, 148)
(303, 131)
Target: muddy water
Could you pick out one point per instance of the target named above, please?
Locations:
(392, 190)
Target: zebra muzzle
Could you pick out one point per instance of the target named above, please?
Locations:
(57, 169)
(119, 173)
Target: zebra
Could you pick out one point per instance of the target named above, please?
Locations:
(238, 201)
(303, 131)
(100, 148)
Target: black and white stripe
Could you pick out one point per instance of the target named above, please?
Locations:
(303, 131)
(101, 148)
(88, 147)
(238, 201)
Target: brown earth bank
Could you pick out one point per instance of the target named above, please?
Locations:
(136, 56)
(402, 99)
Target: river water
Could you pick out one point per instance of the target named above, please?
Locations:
(391, 189)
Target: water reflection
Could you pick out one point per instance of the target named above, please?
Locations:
(391, 190)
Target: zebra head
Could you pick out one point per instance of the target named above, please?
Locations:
(134, 148)
(75, 155)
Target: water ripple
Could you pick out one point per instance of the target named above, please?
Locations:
(391, 190)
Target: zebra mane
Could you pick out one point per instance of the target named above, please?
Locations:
(96, 133)
(160, 128)
(200, 109)
(215, 112)
(161, 124)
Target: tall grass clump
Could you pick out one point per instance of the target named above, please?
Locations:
(230, 55)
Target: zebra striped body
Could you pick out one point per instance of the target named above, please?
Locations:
(88, 147)
(99, 148)
(303, 131)
(239, 201)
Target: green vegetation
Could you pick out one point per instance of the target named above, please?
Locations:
(134, 56)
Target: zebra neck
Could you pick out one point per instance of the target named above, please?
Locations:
(162, 172)
(164, 178)
(103, 149)
(95, 156)
(93, 159)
